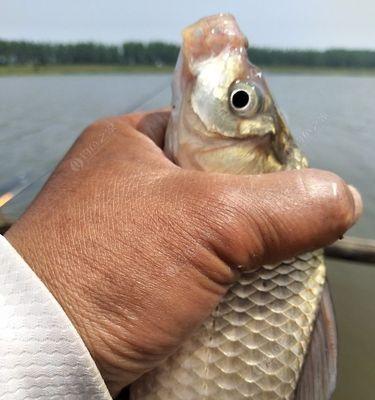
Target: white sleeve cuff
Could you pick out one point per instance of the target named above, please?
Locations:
(41, 353)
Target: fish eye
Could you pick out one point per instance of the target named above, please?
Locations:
(239, 99)
(245, 99)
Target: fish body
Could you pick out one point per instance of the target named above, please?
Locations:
(256, 342)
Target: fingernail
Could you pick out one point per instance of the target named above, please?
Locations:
(358, 204)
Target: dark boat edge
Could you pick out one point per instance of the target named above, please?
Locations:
(352, 249)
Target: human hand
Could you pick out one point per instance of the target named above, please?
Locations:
(138, 252)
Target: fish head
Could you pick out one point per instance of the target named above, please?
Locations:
(224, 117)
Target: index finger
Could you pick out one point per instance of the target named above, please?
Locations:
(151, 123)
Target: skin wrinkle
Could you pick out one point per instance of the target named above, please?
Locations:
(234, 215)
(138, 251)
(129, 362)
(164, 333)
(267, 232)
(138, 352)
(257, 239)
(187, 259)
(121, 331)
(274, 221)
(196, 248)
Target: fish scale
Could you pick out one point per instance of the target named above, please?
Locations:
(253, 346)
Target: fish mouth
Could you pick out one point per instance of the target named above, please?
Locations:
(211, 35)
(249, 131)
(250, 140)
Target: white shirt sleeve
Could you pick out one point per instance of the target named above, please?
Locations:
(42, 356)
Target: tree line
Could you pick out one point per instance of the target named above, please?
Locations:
(160, 53)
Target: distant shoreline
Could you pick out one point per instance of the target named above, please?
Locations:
(23, 70)
(74, 69)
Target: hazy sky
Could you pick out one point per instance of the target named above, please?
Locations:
(276, 23)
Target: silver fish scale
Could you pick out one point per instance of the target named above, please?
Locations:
(253, 346)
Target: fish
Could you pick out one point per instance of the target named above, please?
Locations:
(273, 335)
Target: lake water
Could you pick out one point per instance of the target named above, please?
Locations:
(332, 117)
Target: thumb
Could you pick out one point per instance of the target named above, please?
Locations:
(268, 218)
